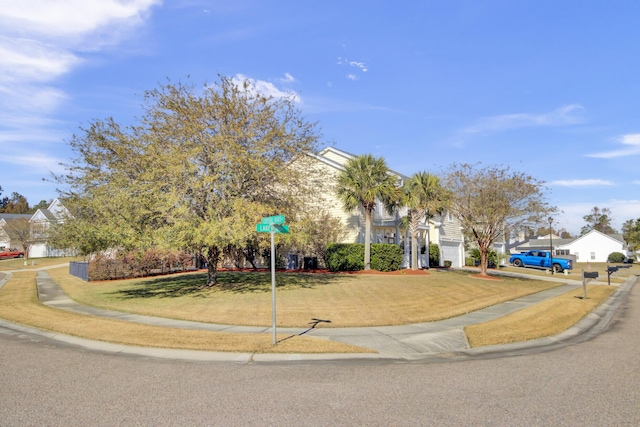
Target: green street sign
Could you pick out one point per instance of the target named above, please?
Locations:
(277, 219)
(266, 228)
(263, 228)
(281, 229)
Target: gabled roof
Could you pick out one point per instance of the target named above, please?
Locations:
(56, 211)
(343, 155)
(615, 237)
(538, 243)
(7, 216)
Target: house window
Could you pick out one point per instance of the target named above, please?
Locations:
(562, 252)
(593, 256)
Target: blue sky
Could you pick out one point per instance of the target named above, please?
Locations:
(550, 88)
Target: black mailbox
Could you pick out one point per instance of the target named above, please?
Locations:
(590, 274)
(612, 269)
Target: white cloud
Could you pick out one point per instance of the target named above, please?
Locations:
(563, 116)
(40, 162)
(288, 78)
(632, 141)
(356, 64)
(360, 65)
(582, 183)
(265, 88)
(26, 101)
(69, 18)
(40, 42)
(32, 60)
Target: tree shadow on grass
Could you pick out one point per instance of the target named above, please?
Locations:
(235, 282)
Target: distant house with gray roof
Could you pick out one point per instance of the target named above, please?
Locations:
(5, 240)
(41, 222)
(594, 246)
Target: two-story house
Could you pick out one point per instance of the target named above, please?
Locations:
(5, 239)
(41, 221)
(443, 229)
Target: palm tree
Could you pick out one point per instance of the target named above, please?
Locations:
(424, 197)
(364, 180)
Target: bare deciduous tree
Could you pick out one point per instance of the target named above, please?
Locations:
(491, 201)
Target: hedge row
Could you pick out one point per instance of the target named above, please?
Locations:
(138, 264)
(350, 257)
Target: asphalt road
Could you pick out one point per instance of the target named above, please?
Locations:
(595, 383)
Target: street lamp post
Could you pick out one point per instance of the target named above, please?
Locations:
(551, 243)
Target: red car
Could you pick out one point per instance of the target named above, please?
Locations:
(11, 253)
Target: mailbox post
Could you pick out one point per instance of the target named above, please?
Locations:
(587, 276)
(612, 269)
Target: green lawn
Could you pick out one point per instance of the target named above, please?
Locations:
(347, 300)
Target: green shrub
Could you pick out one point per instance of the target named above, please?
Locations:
(350, 257)
(492, 258)
(434, 255)
(385, 257)
(616, 257)
(470, 262)
(345, 257)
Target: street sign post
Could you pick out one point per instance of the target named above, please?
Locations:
(276, 219)
(274, 225)
(276, 228)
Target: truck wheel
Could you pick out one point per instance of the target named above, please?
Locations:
(517, 262)
(557, 268)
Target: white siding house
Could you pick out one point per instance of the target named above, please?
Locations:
(385, 228)
(5, 240)
(594, 246)
(41, 221)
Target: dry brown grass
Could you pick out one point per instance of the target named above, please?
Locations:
(19, 304)
(346, 300)
(545, 319)
(576, 274)
(32, 263)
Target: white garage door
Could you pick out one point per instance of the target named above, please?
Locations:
(451, 252)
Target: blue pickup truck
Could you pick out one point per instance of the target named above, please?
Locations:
(540, 259)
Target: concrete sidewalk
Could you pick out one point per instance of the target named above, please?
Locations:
(441, 340)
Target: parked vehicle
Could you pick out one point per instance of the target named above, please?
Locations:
(540, 259)
(11, 253)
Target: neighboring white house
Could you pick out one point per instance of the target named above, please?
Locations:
(443, 230)
(5, 241)
(593, 246)
(41, 221)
